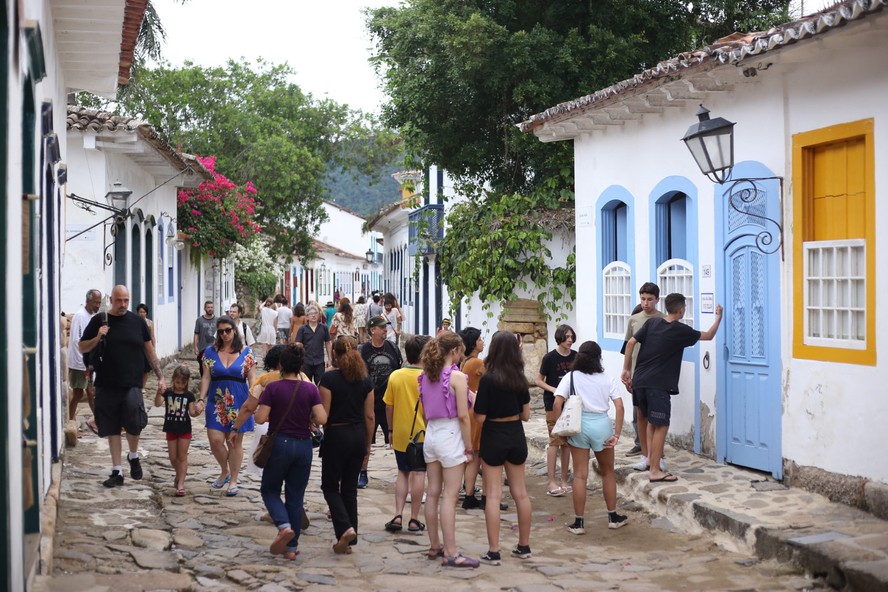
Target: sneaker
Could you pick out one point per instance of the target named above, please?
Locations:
(634, 451)
(615, 520)
(115, 480)
(362, 480)
(642, 465)
(663, 465)
(521, 552)
(471, 503)
(491, 558)
(135, 468)
(578, 527)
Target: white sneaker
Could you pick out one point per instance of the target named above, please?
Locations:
(662, 465)
(642, 465)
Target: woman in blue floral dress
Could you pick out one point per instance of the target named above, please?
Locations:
(223, 389)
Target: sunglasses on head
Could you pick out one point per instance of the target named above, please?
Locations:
(226, 330)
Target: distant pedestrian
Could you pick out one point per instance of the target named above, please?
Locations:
(292, 408)
(231, 369)
(405, 420)
(445, 326)
(343, 321)
(179, 407)
(473, 368)
(268, 329)
(297, 320)
(79, 380)
(596, 389)
(657, 372)
(284, 315)
(204, 333)
(315, 339)
(360, 319)
(347, 396)
(444, 395)
(375, 308)
(329, 311)
(235, 311)
(118, 342)
(502, 405)
(553, 367)
(142, 311)
(393, 318)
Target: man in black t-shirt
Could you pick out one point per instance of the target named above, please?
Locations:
(657, 371)
(382, 358)
(554, 366)
(118, 342)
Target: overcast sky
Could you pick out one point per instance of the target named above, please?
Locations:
(324, 41)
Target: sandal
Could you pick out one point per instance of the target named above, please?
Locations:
(341, 546)
(291, 555)
(415, 525)
(233, 490)
(180, 492)
(218, 484)
(433, 554)
(279, 546)
(393, 526)
(557, 492)
(460, 561)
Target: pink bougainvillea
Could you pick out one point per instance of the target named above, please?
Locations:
(219, 213)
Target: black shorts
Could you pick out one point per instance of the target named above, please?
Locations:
(503, 442)
(655, 405)
(118, 408)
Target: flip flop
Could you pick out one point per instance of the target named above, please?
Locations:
(218, 485)
(557, 492)
(284, 536)
(340, 547)
(667, 478)
(233, 490)
(91, 424)
(180, 492)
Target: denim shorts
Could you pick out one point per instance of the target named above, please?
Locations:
(596, 430)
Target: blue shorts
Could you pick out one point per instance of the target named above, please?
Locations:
(655, 405)
(401, 459)
(596, 430)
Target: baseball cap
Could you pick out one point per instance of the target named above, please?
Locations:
(379, 321)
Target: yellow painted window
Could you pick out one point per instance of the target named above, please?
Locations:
(834, 244)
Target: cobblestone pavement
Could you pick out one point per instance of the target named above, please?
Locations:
(141, 537)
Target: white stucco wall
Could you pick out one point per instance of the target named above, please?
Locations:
(830, 419)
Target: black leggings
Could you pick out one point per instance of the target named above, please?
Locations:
(381, 420)
(342, 454)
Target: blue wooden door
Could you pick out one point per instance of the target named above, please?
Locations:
(751, 399)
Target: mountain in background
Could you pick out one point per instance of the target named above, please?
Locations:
(363, 194)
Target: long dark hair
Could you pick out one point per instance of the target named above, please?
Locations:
(503, 362)
(346, 309)
(347, 358)
(588, 359)
(236, 344)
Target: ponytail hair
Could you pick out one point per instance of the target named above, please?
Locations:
(588, 359)
(436, 350)
(348, 360)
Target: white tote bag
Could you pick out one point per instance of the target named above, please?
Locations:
(570, 422)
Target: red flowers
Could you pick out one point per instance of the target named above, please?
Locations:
(218, 213)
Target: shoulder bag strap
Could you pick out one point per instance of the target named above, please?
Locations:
(572, 391)
(415, 411)
(289, 406)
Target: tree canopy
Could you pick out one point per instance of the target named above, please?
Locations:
(261, 127)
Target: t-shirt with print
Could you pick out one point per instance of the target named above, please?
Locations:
(347, 402)
(123, 358)
(205, 329)
(553, 368)
(402, 393)
(277, 395)
(635, 323)
(381, 362)
(659, 363)
(496, 402)
(176, 419)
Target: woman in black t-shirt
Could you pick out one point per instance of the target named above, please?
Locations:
(503, 402)
(347, 396)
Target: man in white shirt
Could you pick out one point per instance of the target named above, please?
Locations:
(79, 381)
(284, 314)
(246, 334)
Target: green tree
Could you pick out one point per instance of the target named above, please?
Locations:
(262, 127)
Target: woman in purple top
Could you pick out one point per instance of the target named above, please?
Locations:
(292, 407)
(443, 390)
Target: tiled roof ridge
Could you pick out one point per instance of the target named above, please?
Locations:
(727, 50)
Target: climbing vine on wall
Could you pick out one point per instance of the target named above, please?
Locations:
(497, 246)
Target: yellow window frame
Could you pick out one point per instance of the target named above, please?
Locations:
(802, 177)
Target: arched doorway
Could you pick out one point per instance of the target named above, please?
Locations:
(136, 268)
(149, 271)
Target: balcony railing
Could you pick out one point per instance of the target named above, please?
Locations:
(426, 229)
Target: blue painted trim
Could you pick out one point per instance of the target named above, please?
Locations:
(748, 169)
(607, 199)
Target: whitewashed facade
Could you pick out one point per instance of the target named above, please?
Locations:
(788, 386)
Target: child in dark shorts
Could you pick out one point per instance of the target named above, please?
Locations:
(180, 407)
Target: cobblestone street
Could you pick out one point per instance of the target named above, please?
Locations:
(141, 537)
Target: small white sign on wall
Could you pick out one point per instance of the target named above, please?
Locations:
(707, 303)
(585, 216)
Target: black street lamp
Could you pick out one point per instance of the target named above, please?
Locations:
(711, 142)
(369, 255)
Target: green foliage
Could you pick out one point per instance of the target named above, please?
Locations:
(262, 127)
(500, 245)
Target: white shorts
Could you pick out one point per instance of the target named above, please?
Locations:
(444, 443)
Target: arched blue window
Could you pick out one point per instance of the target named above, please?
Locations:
(616, 259)
(674, 246)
